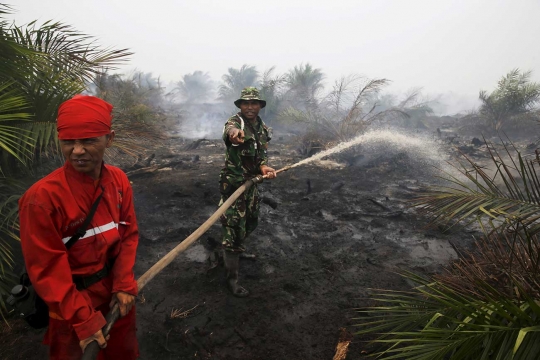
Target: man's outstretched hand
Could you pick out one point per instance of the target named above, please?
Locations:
(236, 136)
(268, 172)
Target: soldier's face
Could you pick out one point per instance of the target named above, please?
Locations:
(250, 109)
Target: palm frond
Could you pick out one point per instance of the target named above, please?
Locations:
(7, 280)
(12, 116)
(508, 194)
(54, 62)
(8, 229)
(514, 98)
(237, 79)
(74, 54)
(435, 322)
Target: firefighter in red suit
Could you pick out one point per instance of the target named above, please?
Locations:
(81, 284)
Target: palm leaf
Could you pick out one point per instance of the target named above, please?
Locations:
(14, 140)
(435, 322)
(58, 64)
(8, 229)
(508, 195)
(7, 279)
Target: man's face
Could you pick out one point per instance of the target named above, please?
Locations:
(250, 109)
(86, 155)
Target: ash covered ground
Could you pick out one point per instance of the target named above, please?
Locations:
(329, 233)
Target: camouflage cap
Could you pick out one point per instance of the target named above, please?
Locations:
(250, 93)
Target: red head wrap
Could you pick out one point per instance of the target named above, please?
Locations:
(83, 117)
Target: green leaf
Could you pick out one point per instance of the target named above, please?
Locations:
(521, 336)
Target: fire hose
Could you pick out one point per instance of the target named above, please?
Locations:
(91, 351)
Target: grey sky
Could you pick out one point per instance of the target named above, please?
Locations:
(444, 46)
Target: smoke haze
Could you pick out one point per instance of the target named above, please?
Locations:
(454, 48)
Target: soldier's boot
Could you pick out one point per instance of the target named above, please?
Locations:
(214, 260)
(232, 262)
(245, 255)
(214, 254)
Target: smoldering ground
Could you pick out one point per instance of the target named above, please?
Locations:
(337, 232)
(331, 230)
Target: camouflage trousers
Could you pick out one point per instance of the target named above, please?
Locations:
(240, 219)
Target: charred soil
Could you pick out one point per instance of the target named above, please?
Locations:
(328, 234)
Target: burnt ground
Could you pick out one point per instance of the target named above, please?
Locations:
(328, 234)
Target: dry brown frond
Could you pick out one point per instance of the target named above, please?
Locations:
(178, 313)
(501, 259)
(142, 299)
(343, 345)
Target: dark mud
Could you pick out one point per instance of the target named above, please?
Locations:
(336, 233)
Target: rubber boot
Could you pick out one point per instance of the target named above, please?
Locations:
(214, 260)
(214, 253)
(232, 262)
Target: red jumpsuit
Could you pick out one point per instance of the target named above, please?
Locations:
(50, 212)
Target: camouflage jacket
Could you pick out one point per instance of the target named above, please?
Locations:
(243, 161)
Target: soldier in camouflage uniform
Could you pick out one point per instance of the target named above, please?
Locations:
(246, 137)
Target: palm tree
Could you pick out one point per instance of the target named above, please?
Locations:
(353, 107)
(416, 106)
(235, 80)
(486, 306)
(195, 88)
(61, 62)
(304, 83)
(272, 87)
(134, 96)
(344, 113)
(513, 99)
(138, 114)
